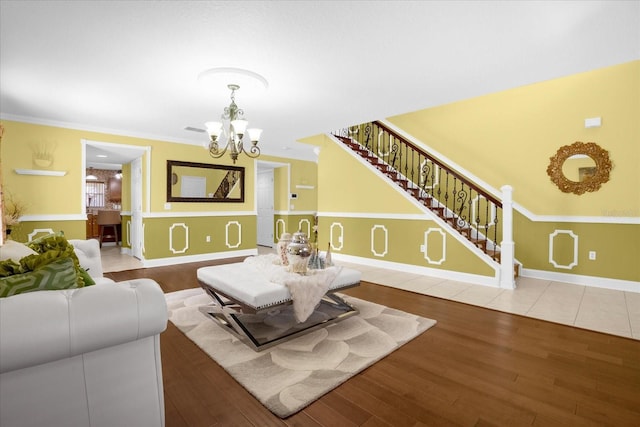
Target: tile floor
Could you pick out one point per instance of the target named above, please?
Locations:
(598, 309)
(603, 310)
(113, 260)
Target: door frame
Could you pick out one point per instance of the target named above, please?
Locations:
(133, 152)
(136, 237)
(262, 165)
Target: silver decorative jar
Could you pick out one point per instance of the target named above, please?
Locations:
(298, 253)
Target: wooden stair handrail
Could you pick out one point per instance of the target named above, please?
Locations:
(442, 165)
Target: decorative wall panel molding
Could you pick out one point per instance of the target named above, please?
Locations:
(128, 234)
(384, 234)
(230, 234)
(443, 243)
(336, 234)
(281, 228)
(38, 231)
(302, 226)
(552, 244)
(186, 238)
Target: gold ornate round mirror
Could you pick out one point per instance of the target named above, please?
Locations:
(579, 167)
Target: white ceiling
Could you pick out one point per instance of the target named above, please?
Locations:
(131, 67)
(110, 156)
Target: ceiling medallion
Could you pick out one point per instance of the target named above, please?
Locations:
(219, 77)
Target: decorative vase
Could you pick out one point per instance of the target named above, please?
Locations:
(284, 241)
(298, 253)
(315, 262)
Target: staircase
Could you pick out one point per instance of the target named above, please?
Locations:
(469, 210)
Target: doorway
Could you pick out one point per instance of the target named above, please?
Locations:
(265, 207)
(104, 155)
(265, 201)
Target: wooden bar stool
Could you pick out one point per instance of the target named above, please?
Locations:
(108, 221)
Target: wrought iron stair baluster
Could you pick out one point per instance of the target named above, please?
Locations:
(428, 181)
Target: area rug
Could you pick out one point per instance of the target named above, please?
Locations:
(288, 377)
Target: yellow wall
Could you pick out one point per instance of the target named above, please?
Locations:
(43, 195)
(617, 247)
(304, 174)
(187, 236)
(292, 173)
(62, 195)
(292, 223)
(508, 137)
(348, 186)
(400, 241)
(281, 189)
(71, 229)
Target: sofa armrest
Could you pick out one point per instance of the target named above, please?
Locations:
(44, 326)
(88, 253)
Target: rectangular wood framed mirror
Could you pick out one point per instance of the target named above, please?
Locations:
(204, 182)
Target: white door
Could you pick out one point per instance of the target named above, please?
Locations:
(136, 208)
(265, 208)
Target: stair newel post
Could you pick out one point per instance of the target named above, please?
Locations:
(507, 246)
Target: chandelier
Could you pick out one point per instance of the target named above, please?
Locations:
(233, 127)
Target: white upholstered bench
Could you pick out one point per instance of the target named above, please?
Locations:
(259, 312)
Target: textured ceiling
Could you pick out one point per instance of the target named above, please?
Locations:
(131, 67)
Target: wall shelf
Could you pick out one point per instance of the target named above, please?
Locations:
(40, 172)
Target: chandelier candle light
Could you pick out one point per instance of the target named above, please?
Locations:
(234, 132)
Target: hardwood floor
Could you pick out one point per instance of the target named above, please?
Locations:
(476, 367)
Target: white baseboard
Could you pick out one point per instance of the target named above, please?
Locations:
(577, 279)
(160, 262)
(126, 251)
(474, 279)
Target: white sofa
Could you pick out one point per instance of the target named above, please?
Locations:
(88, 253)
(83, 357)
